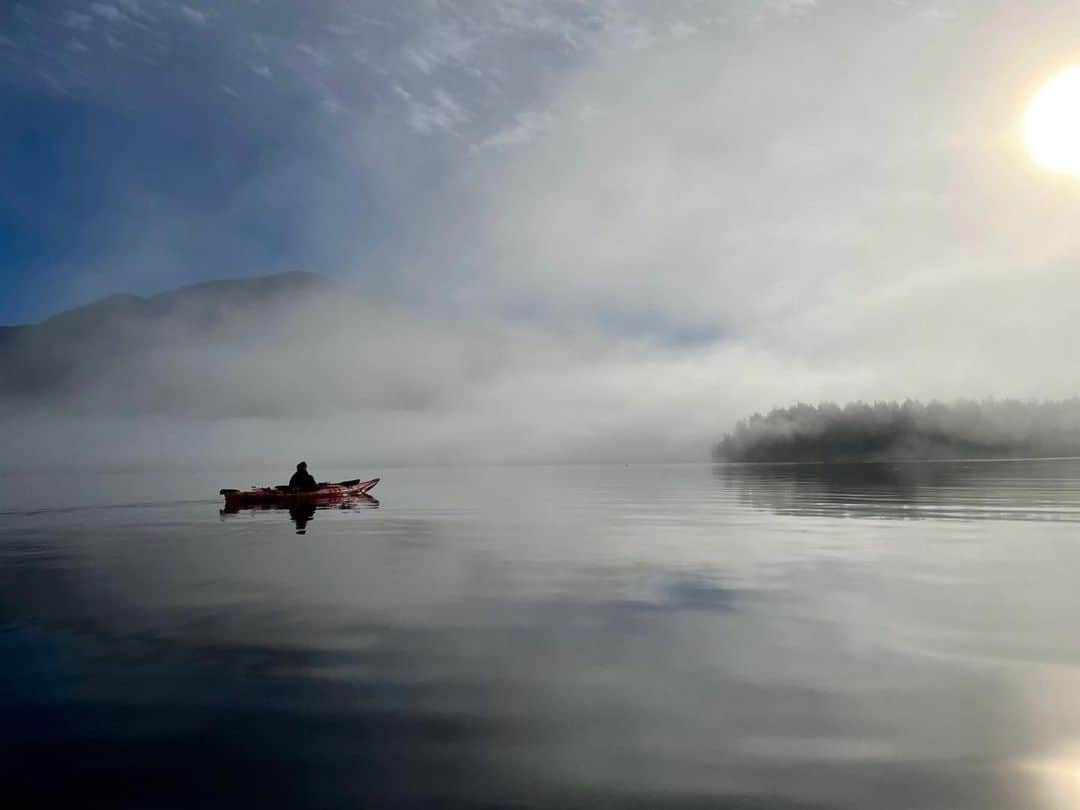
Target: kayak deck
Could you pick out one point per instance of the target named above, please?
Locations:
(285, 496)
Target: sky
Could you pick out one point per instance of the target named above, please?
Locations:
(753, 202)
(151, 144)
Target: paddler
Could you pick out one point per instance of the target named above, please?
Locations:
(302, 479)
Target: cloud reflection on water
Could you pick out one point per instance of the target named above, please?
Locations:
(568, 639)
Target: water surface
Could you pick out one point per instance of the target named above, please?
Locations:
(808, 636)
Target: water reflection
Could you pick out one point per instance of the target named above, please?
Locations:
(303, 513)
(1038, 489)
(665, 637)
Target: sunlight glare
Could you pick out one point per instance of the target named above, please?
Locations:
(1059, 777)
(1052, 123)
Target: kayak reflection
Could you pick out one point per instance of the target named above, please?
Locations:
(303, 513)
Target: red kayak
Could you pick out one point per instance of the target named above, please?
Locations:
(286, 496)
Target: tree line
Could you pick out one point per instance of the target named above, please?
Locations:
(861, 431)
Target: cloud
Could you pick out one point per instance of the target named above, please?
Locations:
(788, 8)
(441, 44)
(726, 191)
(108, 12)
(422, 61)
(527, 125)
(193, 15)
(682, 30)
(74, 19)
(318, 57)
(441, 113)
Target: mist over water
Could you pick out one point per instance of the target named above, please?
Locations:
(788, 636)
(252, 371)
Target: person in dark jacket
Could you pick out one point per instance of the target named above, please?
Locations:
(302, 479)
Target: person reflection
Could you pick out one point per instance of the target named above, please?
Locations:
(301, 514)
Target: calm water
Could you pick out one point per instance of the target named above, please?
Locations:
(677, 636)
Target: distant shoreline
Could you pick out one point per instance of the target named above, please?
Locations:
(964, 430)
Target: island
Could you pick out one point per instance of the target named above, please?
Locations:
(908, 430)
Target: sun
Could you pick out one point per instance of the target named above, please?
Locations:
(1052, 123)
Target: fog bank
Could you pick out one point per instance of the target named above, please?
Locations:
(257, 370)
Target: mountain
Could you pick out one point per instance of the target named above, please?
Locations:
(210, 304)
(189, 349)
